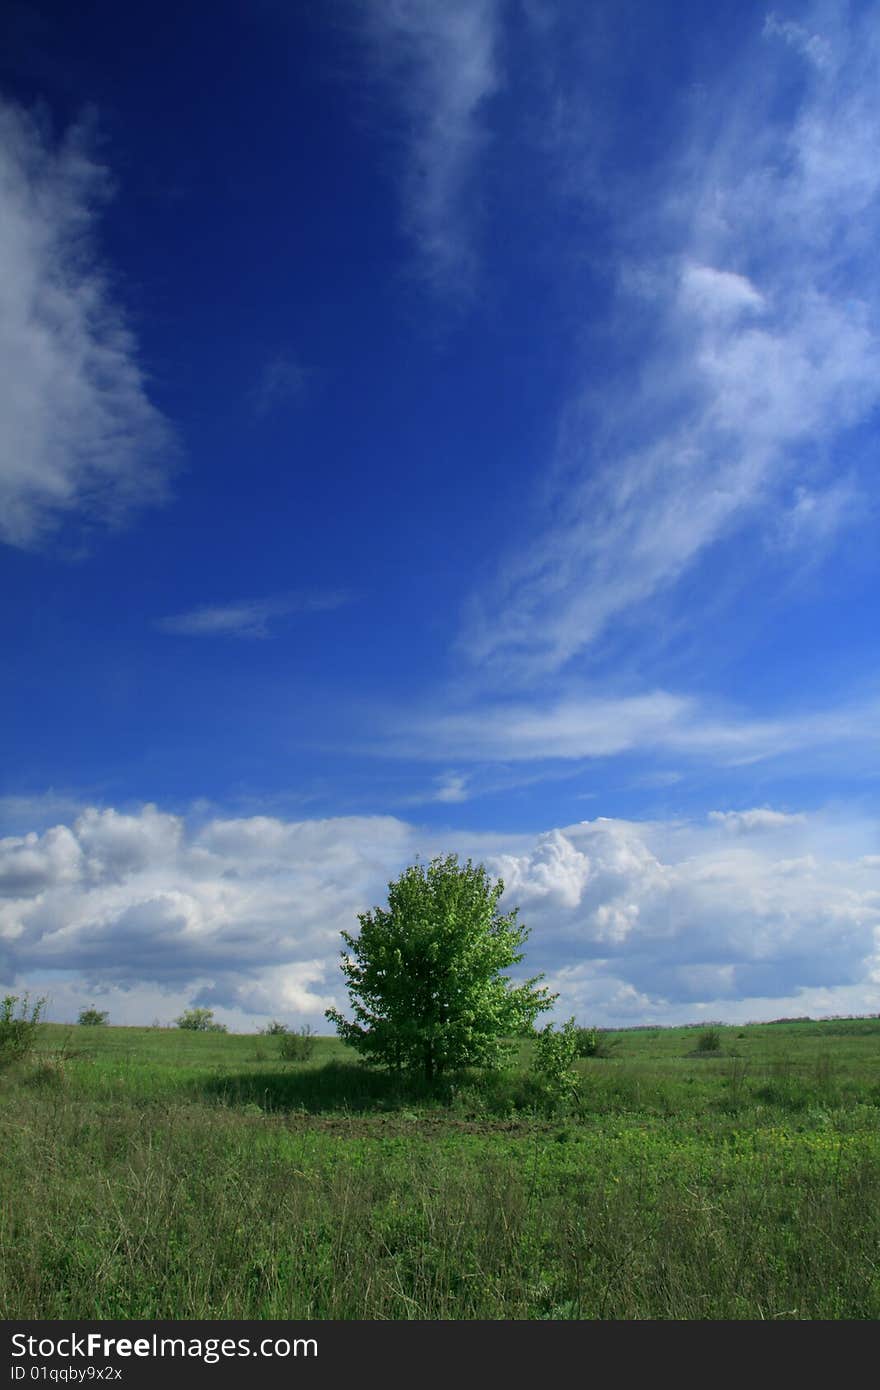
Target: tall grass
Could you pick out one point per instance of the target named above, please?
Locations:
(219, 1186)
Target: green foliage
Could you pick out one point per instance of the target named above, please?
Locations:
(554, 1059)
(18, 1032)
(425, 976)
(274, 1029)
(199, 1021)
(92, 1018)
(594, 1042)
(297, 1047)
(132, 1167)
(587, 1042)
(709, 1040)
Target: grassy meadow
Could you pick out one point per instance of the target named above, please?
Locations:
(156, 1173)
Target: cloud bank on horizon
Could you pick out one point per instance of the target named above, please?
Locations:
(743, 914)
(550, 333)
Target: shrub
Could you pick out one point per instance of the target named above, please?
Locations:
(555, 1054)
(92, 1018)
(709, 1040)
(594, 1042)
(200, 1021)
(18, 1034)
(587, 1042)
(274, 1029)
(297, 1047)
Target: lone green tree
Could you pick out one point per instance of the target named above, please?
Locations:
(425, 978)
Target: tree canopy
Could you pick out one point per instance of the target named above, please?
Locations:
(425, 978)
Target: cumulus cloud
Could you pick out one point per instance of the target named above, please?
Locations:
(30, 862)
(244, 910)
(552, 870)
(81, 437)
(675, 916)
(631, 921)
(115, 845)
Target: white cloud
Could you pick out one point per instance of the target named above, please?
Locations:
(813, 47)
(815, 516)
(754, 822)
(553, 869)
(601, 726)
(246, 912)
(575, 728)
(751, 272)
(246, 617)
(451, 787)
(115, 846)
(662, 918)
(30, 862)
(631, 921)
(714, 293)
(80, 435)
(442, 59)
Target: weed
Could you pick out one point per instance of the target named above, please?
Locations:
(18, 1032)
(172, 1177)
(297, 1047)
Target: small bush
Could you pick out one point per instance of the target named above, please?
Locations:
(200, 1021)
(274, 1029)
(297, 1047)
(555, 1055)
(593, 1042)
(18, 1034)
(709, 1040)
(586, 1042)
(92, 1018)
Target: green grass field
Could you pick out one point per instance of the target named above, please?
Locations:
(155, 1174)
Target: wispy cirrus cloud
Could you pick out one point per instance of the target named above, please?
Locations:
(442, 62)
(80, 436)
(449, 788)
(585, 727)
(520, 731)
(246, 617)
(812, 46)
(755, 821)
(749, 268)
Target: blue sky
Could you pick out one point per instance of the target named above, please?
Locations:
(440, 428)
